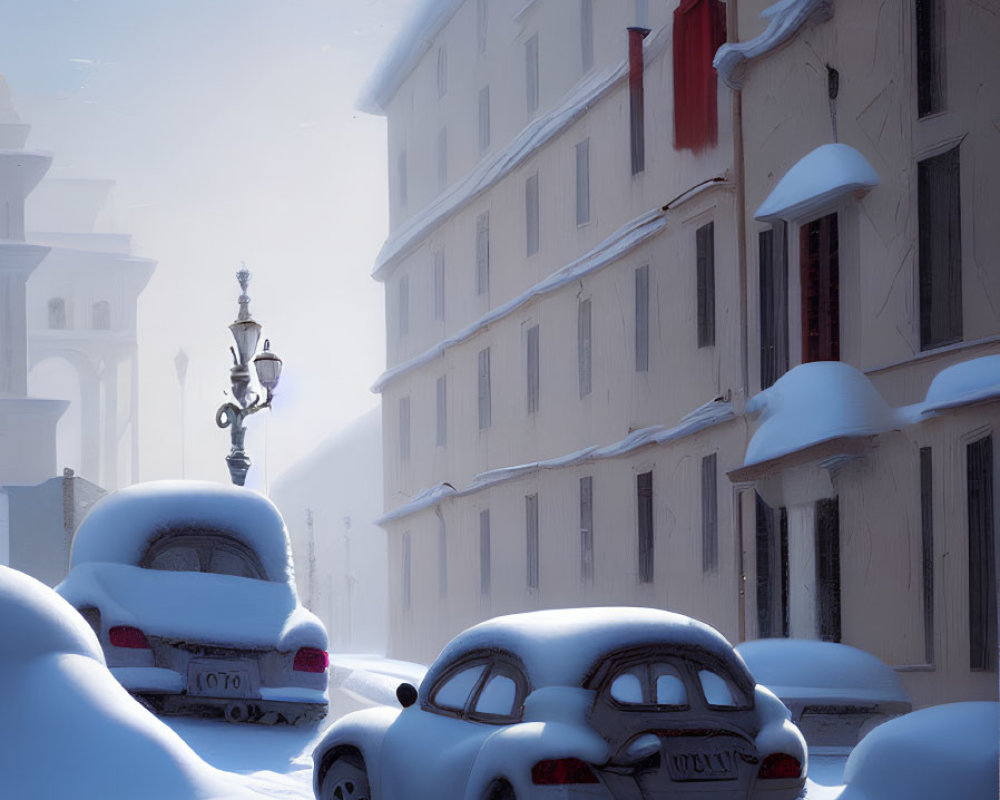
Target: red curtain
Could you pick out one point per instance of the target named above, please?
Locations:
(699, 30)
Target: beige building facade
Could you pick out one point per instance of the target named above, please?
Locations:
(605, 253)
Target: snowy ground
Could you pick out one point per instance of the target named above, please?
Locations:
(276, 762)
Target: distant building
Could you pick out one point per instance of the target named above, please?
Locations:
(604, 252)
(330, 499)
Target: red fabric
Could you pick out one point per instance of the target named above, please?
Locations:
(699, 30)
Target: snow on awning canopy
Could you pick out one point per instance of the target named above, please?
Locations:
(965, 383)
(828, 172)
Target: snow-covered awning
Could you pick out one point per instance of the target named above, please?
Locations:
(828, 172)
(784, 20)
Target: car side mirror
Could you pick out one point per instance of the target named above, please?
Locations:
(406, 694)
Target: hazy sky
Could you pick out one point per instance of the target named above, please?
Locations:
(229, 128)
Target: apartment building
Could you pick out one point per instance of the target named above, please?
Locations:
(608, 257)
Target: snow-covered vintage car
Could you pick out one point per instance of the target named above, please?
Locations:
(611, 703)
(190, 589)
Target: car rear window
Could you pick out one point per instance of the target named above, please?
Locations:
(195, 550)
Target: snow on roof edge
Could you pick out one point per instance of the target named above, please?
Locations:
(537, 133)
(785, 18)
(714, 412)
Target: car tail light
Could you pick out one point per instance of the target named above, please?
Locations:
(127, 636)
(558, 771)
(780, 765)
(310, 659)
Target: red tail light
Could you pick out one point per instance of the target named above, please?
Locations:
(309, 659)
(558, 771)
(780, 765)
(127, 636)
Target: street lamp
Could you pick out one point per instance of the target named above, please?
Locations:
(246, 332)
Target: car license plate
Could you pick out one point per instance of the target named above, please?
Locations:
(702, 766)
(220, 679)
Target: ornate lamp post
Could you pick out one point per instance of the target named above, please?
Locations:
(246, 332)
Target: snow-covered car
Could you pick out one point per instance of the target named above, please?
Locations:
(948, 751)
(608, 703)
(190, 589)
(836, 693)
(69, 729)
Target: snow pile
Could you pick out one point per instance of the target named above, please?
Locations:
(559, 647)
(829, 171)
(963, 384)
(809, 670)
(69, 729)
(425, 498)
(814, 403)
(947, 751)
(784, 20)
(195, 606)
(121, 525)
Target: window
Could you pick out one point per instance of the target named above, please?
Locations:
(705, 266)
(483, 253)
(454, 693)
(531, 213)
(828, 569)
(587, 529)
(404, 429)
(442, 411)
(699, 30)
(644, 513)
(940, 250)
(587, 35)
(583, 346)
(773, 286)
(442, 158)
(930, 51)
(982, 566)
(820, 275)
(927, 548)
(202, 550)
(532, 363)
(403, 307)
(401, 177)
(442, 72)
(439, 284)
(497, 697)
(531, 73)
(442, 558)
(716, 689)
(772, 570)
(642, 319)
(485, 406)
(484, 553)
(482, 25)
(57, 314)
(636, 99)
(709, 515)
(531, 528)
(484, 119)
(583, 182)
(102, 315)
(406, 567)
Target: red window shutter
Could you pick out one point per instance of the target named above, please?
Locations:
(699, 30)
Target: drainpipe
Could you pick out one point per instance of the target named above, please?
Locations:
(636, 103)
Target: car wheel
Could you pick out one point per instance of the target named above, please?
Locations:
(346, 779)
(501, 790)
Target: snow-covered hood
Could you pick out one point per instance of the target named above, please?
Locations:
(195, 606)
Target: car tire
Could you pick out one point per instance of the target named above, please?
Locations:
(346, 779)
(501, 790)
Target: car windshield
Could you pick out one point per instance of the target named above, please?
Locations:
(190, 550)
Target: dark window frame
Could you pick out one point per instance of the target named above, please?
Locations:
(531, 540)
(982, 556)
(705, 269)
(533, 370)
(645, 526)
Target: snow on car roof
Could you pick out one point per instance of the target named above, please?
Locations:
(122, 524)
(805, 669)
(197, 607)
(559, 647)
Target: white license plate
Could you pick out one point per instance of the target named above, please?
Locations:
(220, 680)
(702, 766)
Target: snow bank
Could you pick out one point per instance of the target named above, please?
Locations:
(805, 669)
(69, 729)
(963, 384)
(121, 525)
(829, 171)
(195, 606)
(785, 18)
(560, 646)
(814, 403)
(947, 751)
